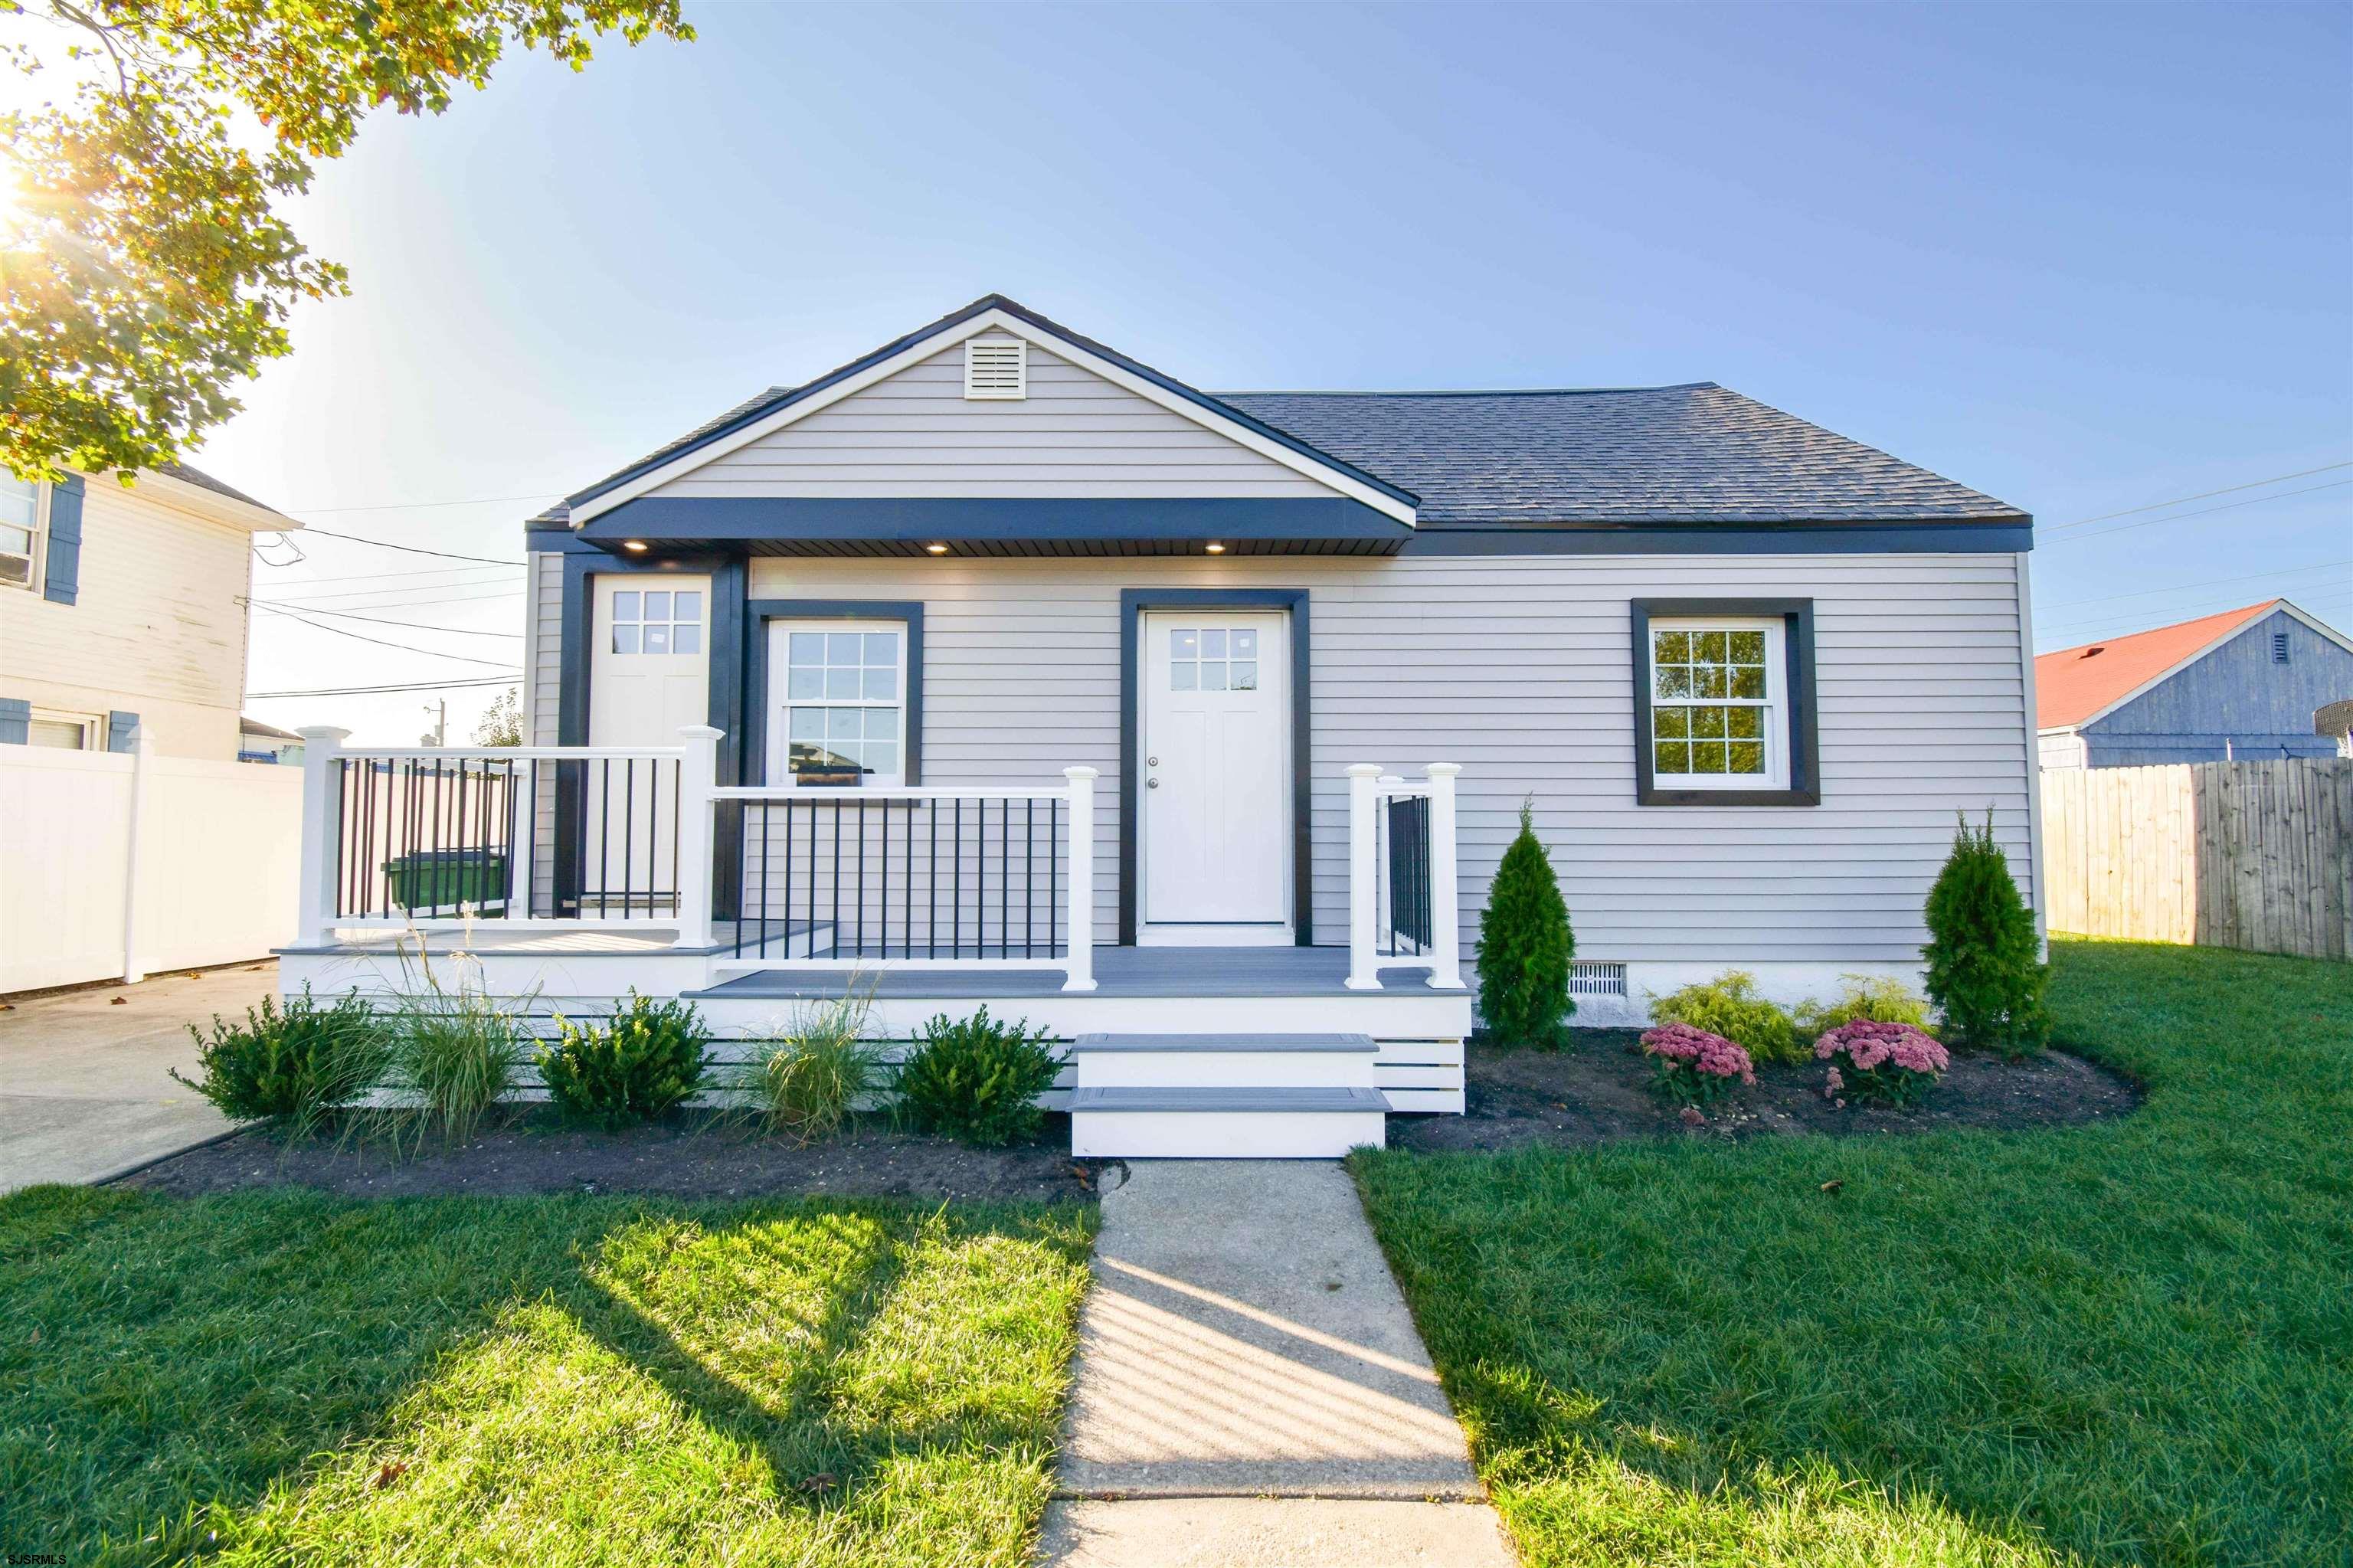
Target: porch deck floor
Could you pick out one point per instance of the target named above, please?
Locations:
(1119, 972)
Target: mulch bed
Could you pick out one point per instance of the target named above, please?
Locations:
(1599, 1090)
(688, 1156)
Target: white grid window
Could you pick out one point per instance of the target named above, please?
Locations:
(844, 705)
(658, 620)
(1717, 705)
(1213, 659)
(24, 516)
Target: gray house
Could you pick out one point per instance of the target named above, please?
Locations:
(998, 666)
(2246, 683)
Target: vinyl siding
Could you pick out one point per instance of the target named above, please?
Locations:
(159, 628)
(914, 434)
(542, 676)
(2234, 702)
(1518, 669)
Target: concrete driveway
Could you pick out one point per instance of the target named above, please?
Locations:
(84, 1090)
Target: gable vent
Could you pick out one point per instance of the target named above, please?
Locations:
(2279, 647)
(996, 367)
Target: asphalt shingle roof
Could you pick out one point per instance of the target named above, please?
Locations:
(204, 480)
(1692, 453)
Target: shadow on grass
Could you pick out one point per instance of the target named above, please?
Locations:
(283, 1376)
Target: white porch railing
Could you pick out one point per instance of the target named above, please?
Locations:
(1402, 875)
(562, 837)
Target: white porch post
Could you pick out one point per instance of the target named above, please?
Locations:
(1363, 890)
(323, 811)
(1079, 968)
(143, 757)
(1445, 912)
(698, 775)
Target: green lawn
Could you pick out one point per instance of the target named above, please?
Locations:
(287, 1378)
(2125, 1343)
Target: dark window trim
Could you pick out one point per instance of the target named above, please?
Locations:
(1133, 603)
(1798, 646)
(758, 612)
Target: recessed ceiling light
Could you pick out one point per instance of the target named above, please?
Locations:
(1215, 548)
(937, 549)
(636, 547)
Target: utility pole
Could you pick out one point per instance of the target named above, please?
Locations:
(440, 735)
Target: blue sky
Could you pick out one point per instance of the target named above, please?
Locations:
(2084, 259)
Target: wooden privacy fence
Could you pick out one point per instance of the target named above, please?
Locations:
(2229, 855)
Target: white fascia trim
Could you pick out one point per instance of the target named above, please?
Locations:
(997, 321)
(2175, 669)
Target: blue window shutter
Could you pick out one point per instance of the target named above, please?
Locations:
(61, 569)
(16, 721)
(120, 728)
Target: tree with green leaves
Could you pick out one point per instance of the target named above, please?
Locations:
(143, 270)
(502, 722)
(1986, 972)
(1526, 946)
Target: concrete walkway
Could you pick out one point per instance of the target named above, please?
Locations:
(1250, 1388)
(84, 1087)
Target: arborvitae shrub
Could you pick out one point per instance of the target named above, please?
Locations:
(1526, 946)
(978, 1079)
(1985, 972)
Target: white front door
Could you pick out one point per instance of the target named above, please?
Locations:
(1215, 781)
(648, 676)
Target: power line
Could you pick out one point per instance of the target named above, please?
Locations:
(389, 602)
(421, 505)
(379, 620)
(2202, 582)
(412, 549)
(412, 686)
(2203, 494)
(2203, 511)
(403, 647)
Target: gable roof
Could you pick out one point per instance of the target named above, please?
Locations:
(2075, 685)
(204, 480)
(1697, 452)
(1691, 453)
(776, 406)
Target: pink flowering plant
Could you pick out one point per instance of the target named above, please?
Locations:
(1695, 1068)
(1890, 1062)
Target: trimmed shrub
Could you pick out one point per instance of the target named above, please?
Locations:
(822, 1066)
(1891, 1062)
(1985, 971)
(1728, 1006)
(636, 1067)
(1695, 1067)
(291, 1064)
(1881, 998)
(1526, 945)
(978, 1079)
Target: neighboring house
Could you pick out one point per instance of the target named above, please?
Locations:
(123, 607)
(259, 742)
(2243, 684)
(1746, 671)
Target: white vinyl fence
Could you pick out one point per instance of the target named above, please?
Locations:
(114, 864)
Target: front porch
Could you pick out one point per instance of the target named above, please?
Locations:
(750, 901)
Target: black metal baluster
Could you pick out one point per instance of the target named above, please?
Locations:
(767, 853)
(1053, 877)
(956, 884)
(861, 876)
(836, 876)
(931, 865)
(1005, 878)
(885, 880)
(1029, 871)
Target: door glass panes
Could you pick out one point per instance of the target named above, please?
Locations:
(1213, 659)
(1709, 690)
(658, 620)
(842, 707)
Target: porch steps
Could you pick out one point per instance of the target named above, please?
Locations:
(1224, 1095)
